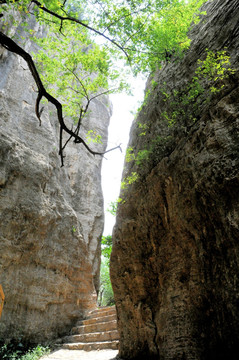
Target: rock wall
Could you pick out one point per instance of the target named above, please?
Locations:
(51, 218)
(174, 264)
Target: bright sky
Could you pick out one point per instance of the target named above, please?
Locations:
(118, 133)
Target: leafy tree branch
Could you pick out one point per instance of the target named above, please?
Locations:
(10, 45)
(145, 32)
(72, 19)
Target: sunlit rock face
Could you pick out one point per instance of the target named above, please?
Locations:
(51, 217)
(174, 264)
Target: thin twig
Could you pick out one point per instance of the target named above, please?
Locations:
(80, 81)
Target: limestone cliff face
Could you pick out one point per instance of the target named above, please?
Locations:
(51, 218)
(174, 264)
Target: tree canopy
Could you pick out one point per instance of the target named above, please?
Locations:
(85, 43)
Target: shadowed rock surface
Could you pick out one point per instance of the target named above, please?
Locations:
(174, 264)
(51, 218)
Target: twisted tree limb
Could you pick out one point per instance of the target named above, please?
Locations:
(13, 47)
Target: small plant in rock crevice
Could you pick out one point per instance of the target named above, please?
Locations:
(209, 78)
(182, 108)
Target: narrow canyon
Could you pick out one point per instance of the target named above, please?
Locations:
(175, 257)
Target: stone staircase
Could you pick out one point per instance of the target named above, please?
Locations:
(98, 331)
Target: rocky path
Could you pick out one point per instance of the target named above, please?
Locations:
(97, 332)
(64, 354)
(94, 338)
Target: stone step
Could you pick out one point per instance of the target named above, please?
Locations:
(102, 312)
(92, 345)
(93, 320)
(93, 337)
(97, 327)
(97, 332)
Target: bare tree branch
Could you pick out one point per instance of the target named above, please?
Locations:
(11, 46)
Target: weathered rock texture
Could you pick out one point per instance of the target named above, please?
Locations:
(174, 263)
(51, 218)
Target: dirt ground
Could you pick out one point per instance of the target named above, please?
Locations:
(81, 355)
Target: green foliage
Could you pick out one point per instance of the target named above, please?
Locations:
(75, 70)
(92, 136)
(113, 207)
(182, 108)
(144, 128)
(125, 22)
(167, 32)
(214, 69)
(129, 156)
(106, 295)
(132, 178)
(209, 78)
(106, 247)
(35, 353)
(17, 351)
(142, 156)
(166, 23)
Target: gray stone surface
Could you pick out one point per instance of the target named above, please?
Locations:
(51, 218)
(174, 264)
(82, 355)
